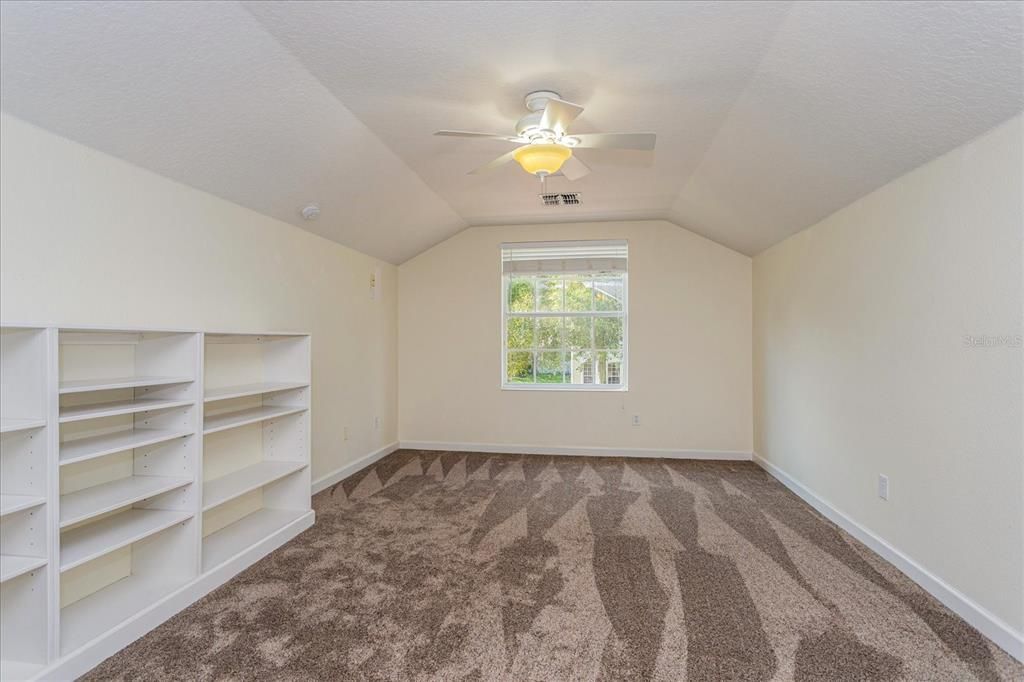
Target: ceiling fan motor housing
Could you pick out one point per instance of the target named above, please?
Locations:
(528, 127)
(538, 99)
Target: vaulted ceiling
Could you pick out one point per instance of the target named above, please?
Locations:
(769, 115)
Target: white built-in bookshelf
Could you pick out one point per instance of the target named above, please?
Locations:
(140, 470)
(256, 474)
(27, 487)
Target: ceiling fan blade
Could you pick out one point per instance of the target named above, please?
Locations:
(501, 160)
(574, 169)
(639, 141)
(465, 133)
(558, 114)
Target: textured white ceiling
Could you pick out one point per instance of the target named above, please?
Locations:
(769, 115)
(201, 93)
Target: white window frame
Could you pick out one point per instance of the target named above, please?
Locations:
(623, 365)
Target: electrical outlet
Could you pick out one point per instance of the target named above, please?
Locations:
(636, 420)
(376, 423)
(344, 433)
(883, 486)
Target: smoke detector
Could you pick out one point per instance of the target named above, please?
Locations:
(310, 212)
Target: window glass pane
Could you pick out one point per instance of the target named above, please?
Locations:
(608, 332)
(550, 293)
(609, 367)
(608, 293)
(520, 332)
(582, 367)
(519, 367)
(577, 332)
(577, 294)
(551, 367)
(521, 295)
(549, 332)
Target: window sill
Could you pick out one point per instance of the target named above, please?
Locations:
(563, 388)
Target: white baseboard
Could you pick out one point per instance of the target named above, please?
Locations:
(344, 472)
(576, 450)
(90, 655)
(987, 623)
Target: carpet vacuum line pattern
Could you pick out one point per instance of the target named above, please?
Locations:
(473, 566)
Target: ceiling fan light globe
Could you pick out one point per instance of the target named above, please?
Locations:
(538, 159)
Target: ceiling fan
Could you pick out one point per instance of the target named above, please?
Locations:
(545, 143)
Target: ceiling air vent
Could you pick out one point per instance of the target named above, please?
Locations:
(557, 199)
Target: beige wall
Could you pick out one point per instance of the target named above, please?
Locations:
(689, 347)
(88, 239)
(861, 367)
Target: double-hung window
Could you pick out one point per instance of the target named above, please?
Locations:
(564, 315)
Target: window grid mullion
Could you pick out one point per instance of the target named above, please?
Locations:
(593, 349)
(562, 340)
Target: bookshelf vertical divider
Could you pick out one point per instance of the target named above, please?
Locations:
(139, 470)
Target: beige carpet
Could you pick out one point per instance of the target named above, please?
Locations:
(452, 566)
